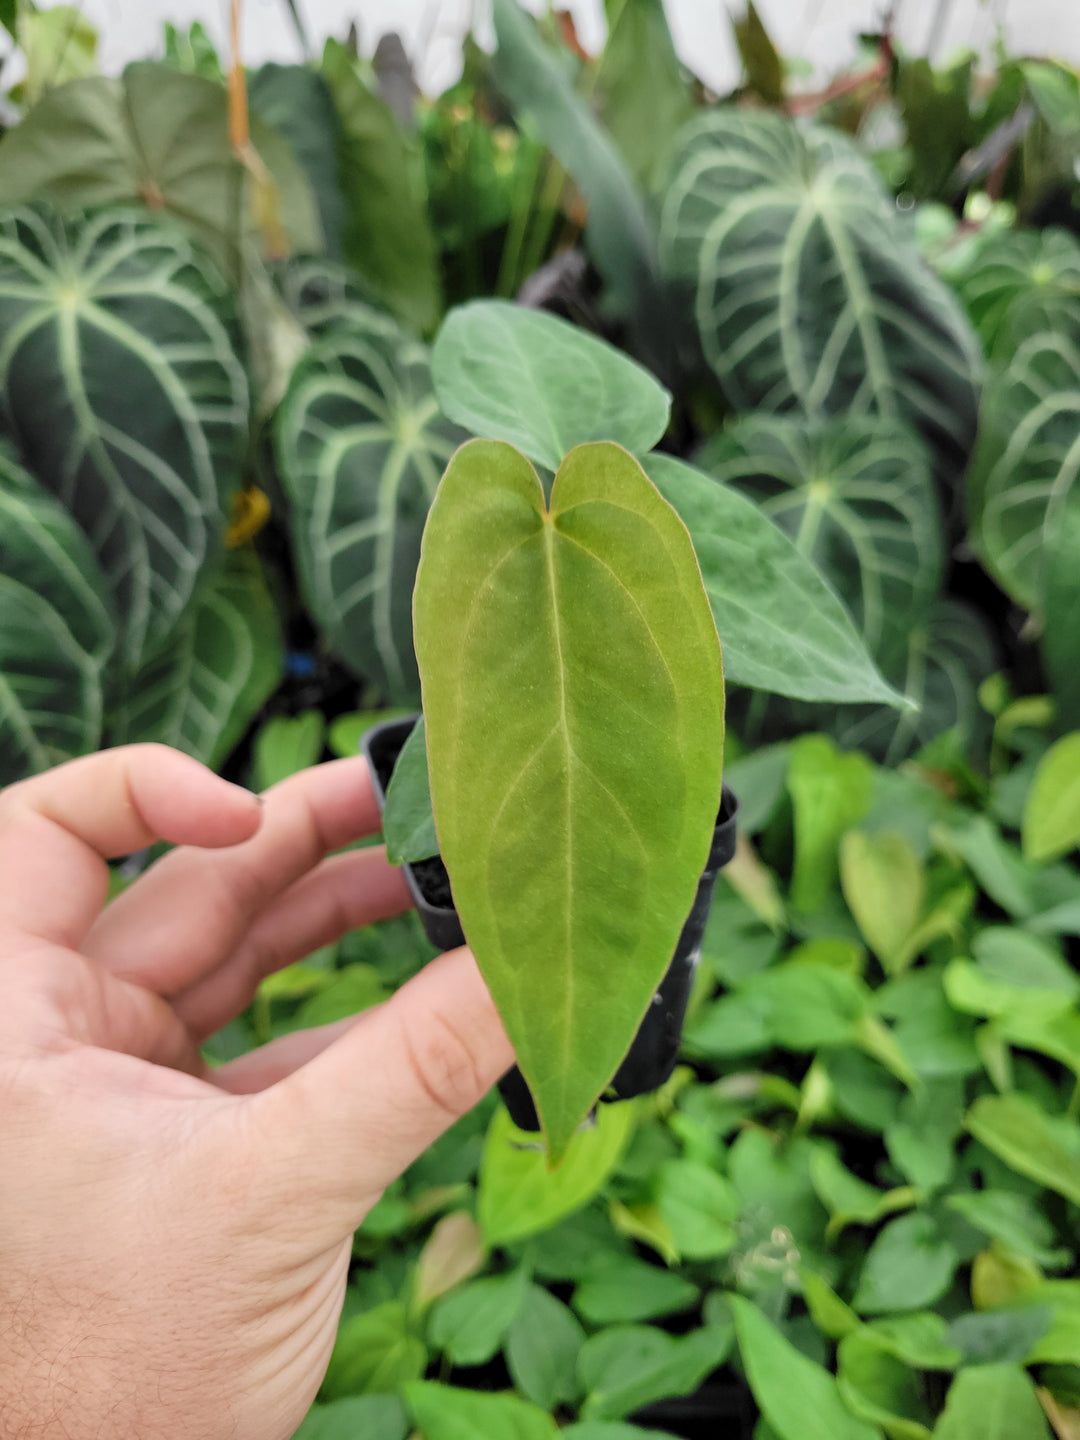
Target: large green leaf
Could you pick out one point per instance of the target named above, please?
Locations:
(781, 625)
(203, 688)
(639, 61)
(618, 231)
(631, 1366)
(361, 445)
(158, 138)
(374, 1354)
(807, 292)
(1025, 464)
(1021, 282)
(445, 1412)
(573, 699)
(387, 235)
(857, 498)
(294, 99)
(992, 1402)
(544, 385)
(118, 374)
(322, 293)
(56, 630)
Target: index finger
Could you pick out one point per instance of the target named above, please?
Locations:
(57, 831)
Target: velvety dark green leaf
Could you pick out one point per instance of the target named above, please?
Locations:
(1021, 282)
(910, 1265)
(782, 627)
(56, 630)
(322, 293)
(935, 107)
(470, 1323)
(1044, 1147)
(387, 236)
(444, 1412)
(1000, 1337)
(542, 1348)
(1061, 613)
(830, 793)
(374, 1354)
(629, 1366)
(1022, 474)
(856, 496)
(799, 1399)
(200, 691)
(361, 445)
(294, 100)
(375, 1417)
(573, 700)
(806, 290)
(158, 138)
(639, 60)
(992, 1402)
(119, 376)
(628, 1289)
(880, 1389)
(521, 1195)
(618, 232)
(509, 373)
(408, 824)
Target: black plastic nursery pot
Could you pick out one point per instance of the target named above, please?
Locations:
(655, 1049)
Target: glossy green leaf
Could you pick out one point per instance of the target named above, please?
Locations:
(118, 375)
(374, 1354)
(799, 1399)
(807, 292)
(782, 627)
(157, 138)
(857, 498)
(992, 1402)
(408, 824)
(542, 1348)
(285, 745)
(830, 792)
(573, 700)
(910, 1265)
(639, 60)
(1052, 813)
(361, 444)
(376, 1417)
(1025, 465)
(521, 1195)
(628, 1289)
(200, 691)
(618, 232)
(387, 236)
(469, 1324)
(884, 884)
(509, 373)
(629, 1366)
(881, 1389)
(444, 1412)
(1044, 1147)
(1021, 282)
(56, 630)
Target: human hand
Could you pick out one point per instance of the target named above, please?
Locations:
(174, 1240)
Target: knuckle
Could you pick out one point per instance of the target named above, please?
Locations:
(444, 1065)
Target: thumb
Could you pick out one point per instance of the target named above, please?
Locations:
(350, 1121)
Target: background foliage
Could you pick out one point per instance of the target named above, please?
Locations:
(857, 1204)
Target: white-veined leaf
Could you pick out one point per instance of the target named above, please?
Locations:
(1021, 282)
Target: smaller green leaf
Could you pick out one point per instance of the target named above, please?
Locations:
(509, 373)
(918, 1340)
(444, 1412)
(355, 988)
(1055, 90)
(1044, 1147)
(382, 1417)
(700, 1207)
(408, 824)
(828, 1312)
(830, 792)
(374, 1354)
(884, 884)
(453, 1252)
(520, 1195)
(1052, 814)
(630, 1366)
(1014, 1220)
(881, 1389)
(910, 1265)
(542, 1348)
(992, 1402)
(285, 745)
(610, 1430)
(761, 60)
(921, 1141)
(345, 733)
(999, 1337)
(799, 1399)
(849, 1200)
(470, 1324)
(1023, 961)
(628, 1289)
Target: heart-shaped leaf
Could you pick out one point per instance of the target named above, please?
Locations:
(783, 627)
(857, 498)
(573, 699)
(544, 385)
(807, 292)
(361, 445)
(56, 630)
(1021, 283)
(118, 374)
